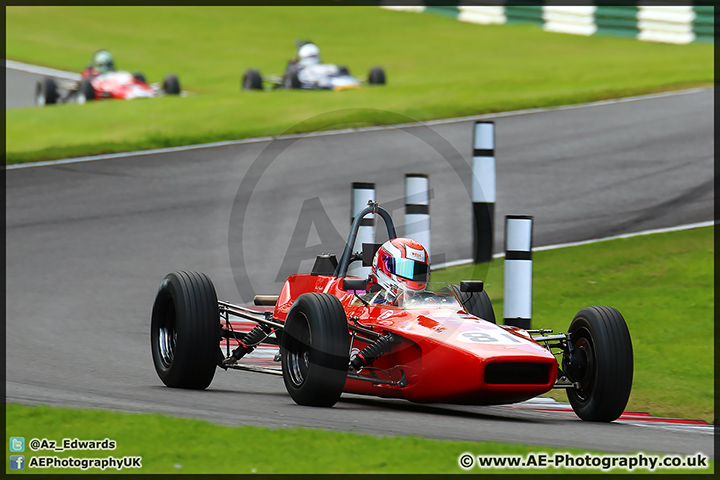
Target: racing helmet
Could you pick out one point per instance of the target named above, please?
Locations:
(103, 61)
(309, 54)
(401, 264)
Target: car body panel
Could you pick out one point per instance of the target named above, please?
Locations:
(122, 85)
(326, 77)
(444, 352)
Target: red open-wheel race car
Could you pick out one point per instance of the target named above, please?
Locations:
(100, 82)
(336, 334)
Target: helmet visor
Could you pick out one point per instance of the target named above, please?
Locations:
(410, 269)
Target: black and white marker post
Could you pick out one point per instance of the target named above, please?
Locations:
(483, 190)
(517, 307)
(361, 193)
(417, 208)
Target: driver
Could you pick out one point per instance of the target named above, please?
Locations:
(102, 62)
(308, 54)
(400, 266)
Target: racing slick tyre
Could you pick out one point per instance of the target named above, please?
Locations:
(376, 76)
(171, 85)
(86, 92)
(139, 77)
(314, 350)
(478, 304)
(185, 330)
(46, 92)
(291, 80)
(252, 80)
(601, 361)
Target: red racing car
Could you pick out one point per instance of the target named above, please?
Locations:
(99, 81)
(425, 343)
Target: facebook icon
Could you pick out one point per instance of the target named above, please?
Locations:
(17, 462)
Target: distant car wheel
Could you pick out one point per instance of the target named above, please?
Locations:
(291, 80)
(377, 76)
(139, 77)
(601, 362)
(343, 70)
(314, 350)
(171, 85)
(46, 92)
(252, 80)
(86, 92)
(185, 331)
(478, 304)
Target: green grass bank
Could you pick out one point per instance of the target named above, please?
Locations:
(436, 67)
(177, 445)
(663, 284)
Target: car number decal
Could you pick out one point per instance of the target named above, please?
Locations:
(490, 337)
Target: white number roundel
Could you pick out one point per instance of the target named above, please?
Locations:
(490, 337)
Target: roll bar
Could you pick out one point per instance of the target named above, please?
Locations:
(374, 208)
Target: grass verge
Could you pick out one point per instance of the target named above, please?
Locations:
(663, 284)
(177, 445)
(437, 68)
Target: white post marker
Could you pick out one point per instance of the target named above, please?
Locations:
(361, 193)
(517, 307)
(483, 190)
(417, 208)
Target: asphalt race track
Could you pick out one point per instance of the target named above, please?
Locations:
(88, 244)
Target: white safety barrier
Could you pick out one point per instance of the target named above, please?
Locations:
(483, 190)
(361, 193)
(417, 208)
(517, 303)
(649, 20)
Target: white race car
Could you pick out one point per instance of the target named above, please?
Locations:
(306, 72)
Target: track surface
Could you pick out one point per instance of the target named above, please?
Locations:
(20, 88)
(88, 243)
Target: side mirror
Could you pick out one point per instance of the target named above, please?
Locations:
(354, 284)
(472, 286)
(368, 252)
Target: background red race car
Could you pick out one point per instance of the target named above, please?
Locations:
(441, 345)
(100, 80)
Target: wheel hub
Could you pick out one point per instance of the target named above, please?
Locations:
(579, 363)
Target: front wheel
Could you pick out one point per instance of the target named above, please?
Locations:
(315, 350)
(377, 76)
(185, 330)
(478, 304)
(171, 85)
(600, 360)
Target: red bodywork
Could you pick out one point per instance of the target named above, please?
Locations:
(121, 85)
(446, 356)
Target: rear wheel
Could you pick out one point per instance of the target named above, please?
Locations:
(171, 85)
(600, 360)
(86, 92)
(314, 349)
(291, 80)
(478, 304)
(185, 330)
(46, 92)
(252, 80)
(377, 76)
